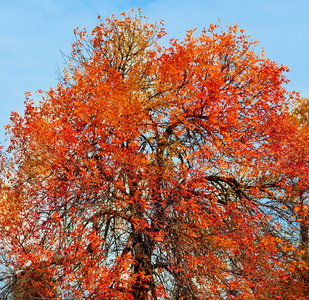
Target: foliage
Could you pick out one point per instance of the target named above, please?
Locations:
(144, 173)
(289, 187)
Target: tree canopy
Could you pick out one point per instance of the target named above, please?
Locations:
(155, 172)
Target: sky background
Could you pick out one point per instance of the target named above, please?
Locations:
(32, 32)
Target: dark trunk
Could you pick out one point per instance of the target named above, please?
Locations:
(142, 268)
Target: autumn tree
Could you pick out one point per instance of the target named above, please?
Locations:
(138, 176)
(287, 187)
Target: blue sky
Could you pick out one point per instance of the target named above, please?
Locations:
(32, 32)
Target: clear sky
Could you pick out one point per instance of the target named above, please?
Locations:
(33, 32)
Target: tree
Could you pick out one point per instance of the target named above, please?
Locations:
(289, 187)
(137, 176)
